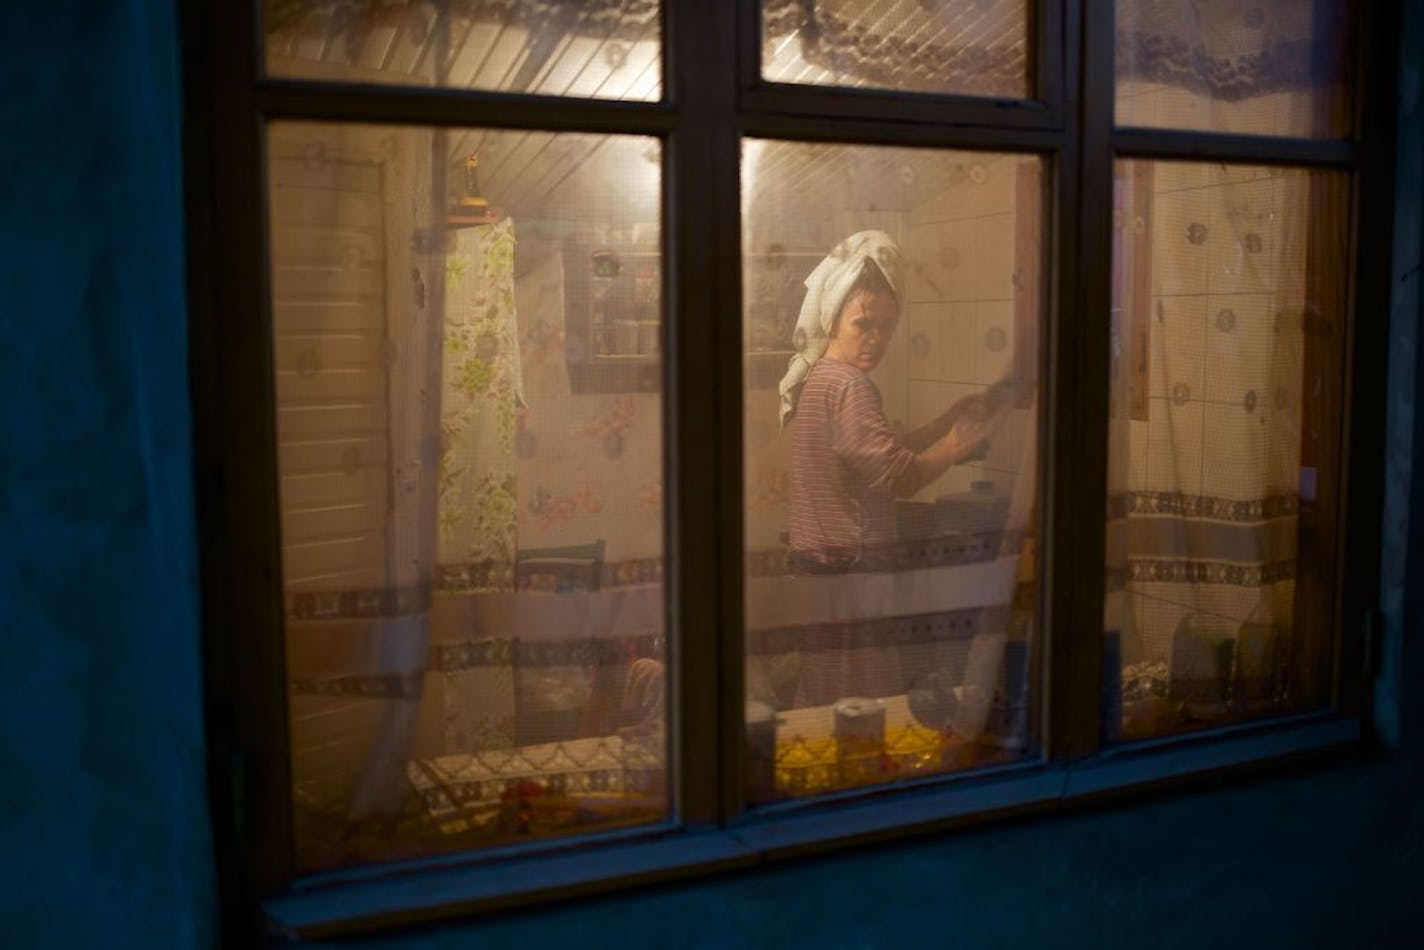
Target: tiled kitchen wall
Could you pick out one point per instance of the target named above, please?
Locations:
(589, 466)
(959, 327)
(1225, 328)
(1224, 332)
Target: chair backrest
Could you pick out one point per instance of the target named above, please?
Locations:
(573, 567)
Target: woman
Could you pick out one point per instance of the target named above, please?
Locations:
(848, 466)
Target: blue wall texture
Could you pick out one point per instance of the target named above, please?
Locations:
(104, 836)
(103, 820)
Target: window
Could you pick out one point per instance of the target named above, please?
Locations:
(472, 549)
(644, 438)
(891, 638)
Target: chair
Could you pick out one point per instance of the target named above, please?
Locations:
(540, 694)
(574, 567)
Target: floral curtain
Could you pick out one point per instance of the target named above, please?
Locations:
(481, 389)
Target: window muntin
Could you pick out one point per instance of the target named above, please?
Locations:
(602, 49)
(472, 552)
(961, 47)
(1265, 67)
(910, 651)
(1228, 306)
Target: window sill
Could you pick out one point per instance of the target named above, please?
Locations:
(387, 897)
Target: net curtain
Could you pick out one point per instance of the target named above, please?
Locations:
(467, 524)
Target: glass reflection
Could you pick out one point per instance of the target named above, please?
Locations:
(891, 461)
(963, 47)
(599, 49)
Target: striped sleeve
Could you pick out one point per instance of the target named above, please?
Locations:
(864, 440)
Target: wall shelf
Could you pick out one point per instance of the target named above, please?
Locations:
(614, 319)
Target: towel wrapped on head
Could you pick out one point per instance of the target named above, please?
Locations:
(826, 290)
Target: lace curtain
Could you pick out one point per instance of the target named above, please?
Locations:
(472, 533)
(1222, 49)
(1205, 440)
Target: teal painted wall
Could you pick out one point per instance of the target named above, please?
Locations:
(104, 836)
(103, 823)
(1332, 860)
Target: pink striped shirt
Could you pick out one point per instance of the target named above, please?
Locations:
(845, 462)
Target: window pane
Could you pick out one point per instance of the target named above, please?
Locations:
(1228, 334)
(891, 520)
(964, 47)
(471, 549)
(600, 49)
(1262, 67)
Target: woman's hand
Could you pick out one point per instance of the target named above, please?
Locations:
(960, 434)
(973, 435)
(970, 407)
(965, 442)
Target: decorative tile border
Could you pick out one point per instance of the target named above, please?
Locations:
(943, 551)
(1187, 571)
(409, 687)
(889, 631)
(497, 576)
(486, 575)
(645, 570)
(357, 604)
(453, 657)
(935, 552)
(480, 654)
(1178, 505)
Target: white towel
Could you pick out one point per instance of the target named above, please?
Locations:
(826, 290)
